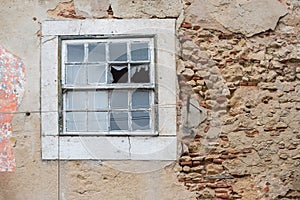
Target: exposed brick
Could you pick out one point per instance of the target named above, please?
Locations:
(234, 152)
(196, 27)
(224, 157)
(222, 195)
(217, 161)
(186, 25)
(189, 163)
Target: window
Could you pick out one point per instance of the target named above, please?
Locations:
(108, 86)
(108, 89)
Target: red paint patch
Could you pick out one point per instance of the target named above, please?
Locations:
(11, 90)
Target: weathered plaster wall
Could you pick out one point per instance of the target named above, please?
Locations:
(244, 77)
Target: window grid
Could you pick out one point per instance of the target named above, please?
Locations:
(109, 87)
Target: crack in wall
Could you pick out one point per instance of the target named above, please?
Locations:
(129, 142)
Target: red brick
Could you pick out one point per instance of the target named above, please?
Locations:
(292, 89)
(252, 84)
(196, 27)
(291, 147)
(221, 190)
(201, 186)
(206, 129)
(232, 156)
(247, 150)
(234, 151)
(218, 185)
(222, 196)
(224, 157)
(194, 154)
(181, 180)
(186, 25)
(243, 84)
(217, 161)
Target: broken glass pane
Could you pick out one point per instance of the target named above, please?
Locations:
(140, 74)
(76, 74)
(97, 121)
(139, 51)
(75, 53)
(96, 52)
(76, 100)
(76, 121)
(140, 99)
(118, 74)
(118, 51)
(118, 121)
(97, 100)
(119, 99)
(140, 120)
(96, 74)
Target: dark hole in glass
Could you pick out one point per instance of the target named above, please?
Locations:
(119, 74)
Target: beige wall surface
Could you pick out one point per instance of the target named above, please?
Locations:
(238, 67)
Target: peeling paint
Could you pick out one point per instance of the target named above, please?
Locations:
(64, 10)
(12, 78)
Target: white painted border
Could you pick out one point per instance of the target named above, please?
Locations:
(162, 147)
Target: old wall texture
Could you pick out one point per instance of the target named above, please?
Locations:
(238, 63)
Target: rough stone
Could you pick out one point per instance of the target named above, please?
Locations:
(142, 8)
(214, 169)
(92, 8)
(188, 73)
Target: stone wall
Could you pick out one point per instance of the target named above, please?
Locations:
(245, 71)
(238, 106)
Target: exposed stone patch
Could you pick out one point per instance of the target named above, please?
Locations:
(146, 9)
(64, 10)
(92, 8)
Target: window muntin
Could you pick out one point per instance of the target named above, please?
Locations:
(108, 86)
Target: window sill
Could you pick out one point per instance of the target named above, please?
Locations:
(109, 148)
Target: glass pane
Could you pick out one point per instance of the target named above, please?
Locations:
(119, 99)
(118, 51)
(140, 74)
(76, 121)
(76, 74)
(139, 51)
(97, 121)
(96, 74)
(118, 74)
(76, 100)
(118, 121)
(97, 100)
(96, 52)
(75, 52)
(140, 120)
(140, 99)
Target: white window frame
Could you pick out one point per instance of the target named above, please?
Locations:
(163, 146)
(106, 86)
